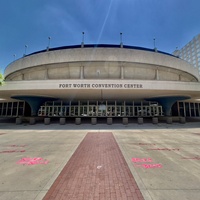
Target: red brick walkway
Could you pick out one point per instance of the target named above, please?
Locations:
(96, 171)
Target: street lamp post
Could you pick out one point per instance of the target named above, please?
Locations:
(154, 44)
(121, 43)
(49, 41)
(82, 43)
(26, 46)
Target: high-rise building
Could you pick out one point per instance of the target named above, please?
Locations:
(190, 52)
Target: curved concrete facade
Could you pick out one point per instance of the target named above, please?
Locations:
(101, 73)
(101, 63)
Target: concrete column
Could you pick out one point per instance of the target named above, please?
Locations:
(62, 121)
(47, 74)
(154, 120)
(32, 121)
(81, 72)
(122, 72)
(109, 120)
(125, 120)
(157, 74)
(78, 121)
(94, 121)
(140, 120)
(182, 120)
(47, 121)
(169, 120)
(18, 121)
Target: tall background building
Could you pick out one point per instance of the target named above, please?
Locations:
(190, 52)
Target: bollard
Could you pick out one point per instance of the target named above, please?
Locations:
(78, 121)
(169, 120)
(94, 121)
(182, 120)
(62, 121)
(155, 120)
(125, 120)
(140, 120)
(47, 121)
(18, 121)
(32, 121)
(109, 120)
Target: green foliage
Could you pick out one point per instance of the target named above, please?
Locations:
(1, 79)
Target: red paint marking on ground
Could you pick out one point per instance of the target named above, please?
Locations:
(17, 145)
(96, 171)
(141, 160)
(164, 149)
(15, 150)
(146, 144)
(12, 151)
(192, 158)
(142, 144)
(148, 166)
(32, 161)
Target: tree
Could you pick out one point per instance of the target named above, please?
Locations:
(1, 79)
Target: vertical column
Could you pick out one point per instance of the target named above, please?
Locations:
(157, 74)
(6, 108)
(22, 76)
(97, 109)
(189, 109)
(115, 108)
(124, 108)
(46, 74)
(178, 108)
(184, 109)
(122, 72)
(17, 111)
(82, 72)
(88, 106)
(179, 77)
(106, 107)
(195, 113)
(79, 105)
(12, 109)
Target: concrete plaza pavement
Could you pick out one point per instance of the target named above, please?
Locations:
(163, 158)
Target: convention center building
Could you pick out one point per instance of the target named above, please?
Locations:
(100, 81)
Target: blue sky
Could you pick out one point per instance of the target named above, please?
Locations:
(30, 22)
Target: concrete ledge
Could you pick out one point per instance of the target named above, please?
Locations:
(18, 121)
(47, 121)
(109, 120)
(124, 120)
(155, 120)
(62, 121)
(94, 121)
(140, 120)
(32, 121)
(78, 121)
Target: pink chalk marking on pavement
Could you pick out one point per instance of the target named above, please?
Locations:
(33, 161)
(141, 160)
(148, 166)
(164, 149)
